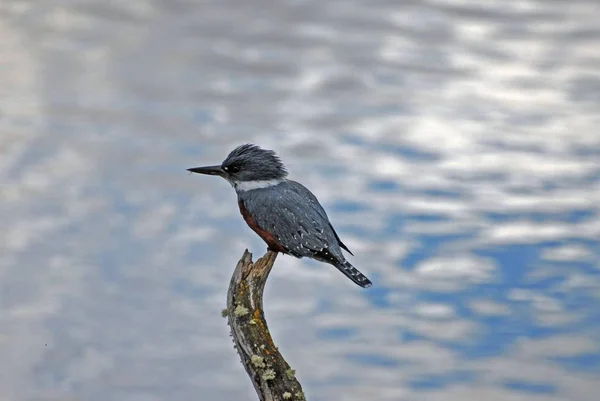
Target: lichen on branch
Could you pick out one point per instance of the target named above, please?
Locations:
(271, 375)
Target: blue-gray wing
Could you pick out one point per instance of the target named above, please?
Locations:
(314, 202)
(294, 216)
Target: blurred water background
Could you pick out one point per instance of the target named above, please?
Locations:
(455, 144)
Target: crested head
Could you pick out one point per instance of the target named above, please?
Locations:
(248, 167)
(252, 163)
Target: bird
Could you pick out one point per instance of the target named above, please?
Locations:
(284, 213)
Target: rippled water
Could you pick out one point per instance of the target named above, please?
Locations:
(455, 144)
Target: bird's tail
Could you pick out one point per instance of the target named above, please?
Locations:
(353, 274)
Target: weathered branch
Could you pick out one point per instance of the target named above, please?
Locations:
(271, 375)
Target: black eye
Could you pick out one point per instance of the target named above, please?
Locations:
(232, 169)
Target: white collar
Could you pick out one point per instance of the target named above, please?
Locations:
(244, 186)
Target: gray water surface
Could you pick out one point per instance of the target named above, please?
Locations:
(454, 144)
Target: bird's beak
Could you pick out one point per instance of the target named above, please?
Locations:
(209, 170)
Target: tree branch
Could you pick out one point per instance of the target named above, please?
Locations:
(271, 375)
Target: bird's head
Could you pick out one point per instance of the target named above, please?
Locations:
(247, 163)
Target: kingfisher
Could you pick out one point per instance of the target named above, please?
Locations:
(284, 213)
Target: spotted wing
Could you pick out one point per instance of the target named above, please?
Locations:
(314, 203)
(292, 218)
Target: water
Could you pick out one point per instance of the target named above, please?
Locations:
(456, 146)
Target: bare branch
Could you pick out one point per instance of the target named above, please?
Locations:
(271, 375)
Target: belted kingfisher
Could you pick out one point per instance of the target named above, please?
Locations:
(284, 213)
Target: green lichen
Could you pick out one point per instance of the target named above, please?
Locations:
(291, 374)
(224, 312)
(257, 361)
(268, 374)
(240, 311)
(287, 396)
(299, 395)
